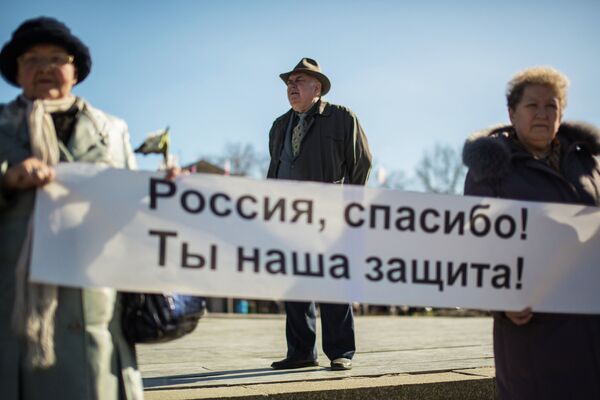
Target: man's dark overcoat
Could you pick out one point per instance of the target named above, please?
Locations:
(337, 147)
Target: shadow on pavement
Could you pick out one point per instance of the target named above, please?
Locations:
(173, 380)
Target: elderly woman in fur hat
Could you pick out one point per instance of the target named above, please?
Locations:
(540, 158)
(55, 342)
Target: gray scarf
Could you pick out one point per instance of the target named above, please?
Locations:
(35, 304)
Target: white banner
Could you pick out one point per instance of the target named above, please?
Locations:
(236, 237)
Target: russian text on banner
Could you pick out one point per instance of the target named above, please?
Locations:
(228, 236)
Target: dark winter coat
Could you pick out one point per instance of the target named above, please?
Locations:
(554, 356)
(334, 149)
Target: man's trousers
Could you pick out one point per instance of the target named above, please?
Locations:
(337, 323)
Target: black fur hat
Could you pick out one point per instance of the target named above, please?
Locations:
(39, 31)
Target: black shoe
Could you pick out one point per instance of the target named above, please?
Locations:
(288, 363)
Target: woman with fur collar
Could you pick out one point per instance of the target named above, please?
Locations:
(540, 158)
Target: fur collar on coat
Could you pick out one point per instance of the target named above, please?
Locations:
(488, 153)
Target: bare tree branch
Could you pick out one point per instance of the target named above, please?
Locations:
(441, 170)
(242, 160)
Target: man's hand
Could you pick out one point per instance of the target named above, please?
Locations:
(520, 317)
(28, 174)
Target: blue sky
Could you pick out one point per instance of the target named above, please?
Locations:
(415, 72)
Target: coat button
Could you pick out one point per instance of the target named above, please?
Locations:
(75, 326)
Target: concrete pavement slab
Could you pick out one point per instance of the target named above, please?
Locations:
(228, 356)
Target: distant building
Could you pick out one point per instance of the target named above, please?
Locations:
(205, 167)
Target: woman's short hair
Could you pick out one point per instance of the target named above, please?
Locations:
(546, 76)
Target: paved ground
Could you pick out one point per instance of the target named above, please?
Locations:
(228, 354)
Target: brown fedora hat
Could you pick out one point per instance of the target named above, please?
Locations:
(310, 67)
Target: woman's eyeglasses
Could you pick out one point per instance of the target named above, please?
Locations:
(36, 60)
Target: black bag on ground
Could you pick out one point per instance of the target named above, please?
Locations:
(156, 318)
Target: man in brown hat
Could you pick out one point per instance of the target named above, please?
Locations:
(317, 141)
